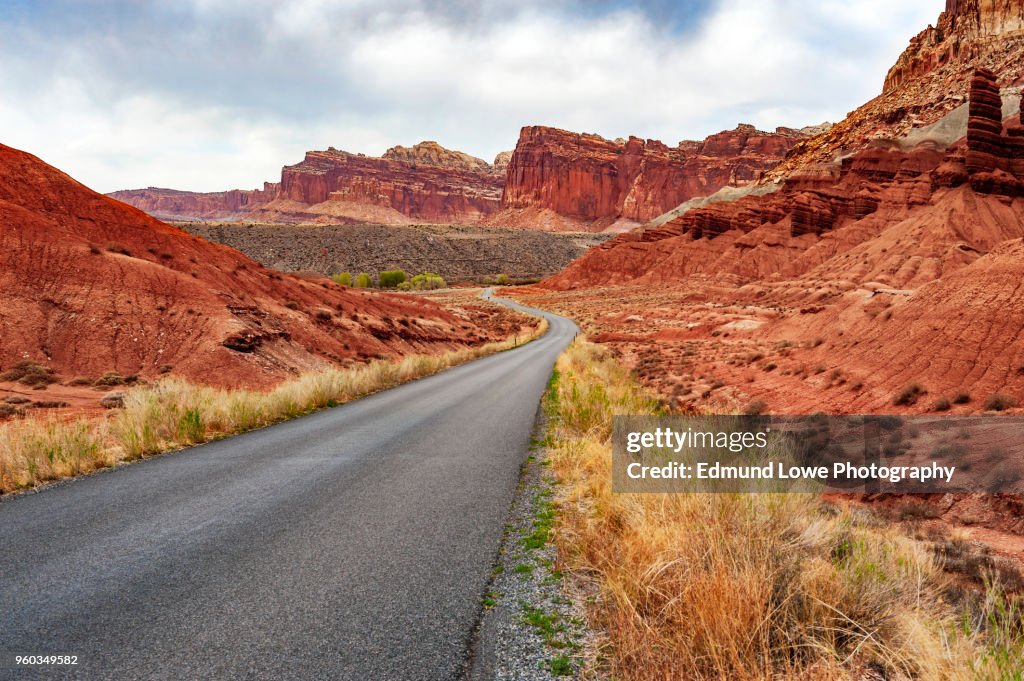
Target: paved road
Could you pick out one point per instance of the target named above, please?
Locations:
(354, 543)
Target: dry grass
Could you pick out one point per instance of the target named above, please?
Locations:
(749, 586)
(173, 413)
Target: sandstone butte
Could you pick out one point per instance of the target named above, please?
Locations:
(91, 285)
(554, 180)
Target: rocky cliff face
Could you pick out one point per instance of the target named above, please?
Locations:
(173, 204)
(878, 186)
(929, 82)
(431, 153)
(412, 190)
(566, 180)
(959, 34)
(423, 183)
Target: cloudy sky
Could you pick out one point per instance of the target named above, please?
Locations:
(215, 94)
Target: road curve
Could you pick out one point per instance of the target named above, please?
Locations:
(354, 543)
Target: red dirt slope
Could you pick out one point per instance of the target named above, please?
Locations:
(92, 285)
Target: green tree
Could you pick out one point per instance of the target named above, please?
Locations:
(501, 279)
(363, 280)
(343, 278)
(391, 278)
(423, 282)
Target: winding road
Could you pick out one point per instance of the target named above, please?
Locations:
(353, 543)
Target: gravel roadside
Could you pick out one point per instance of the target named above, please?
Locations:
(532, 628)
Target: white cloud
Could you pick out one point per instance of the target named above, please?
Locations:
(223, 93)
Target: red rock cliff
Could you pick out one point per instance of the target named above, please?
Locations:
(929, 80)
(423, 183)
(418, 190)
(173, 204)
(958, 35)
(592, 182)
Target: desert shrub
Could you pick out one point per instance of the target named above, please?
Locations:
(424, 282)
(1000, 402)
(49, 404)
(941, 404)
(343, 278)
(7, 410)
(115, 247)
(908, 395)
(110, 378)
(962, 398)
(501, 279)
(363, 280)
(391, 278)
(30, 373)
(756, 408)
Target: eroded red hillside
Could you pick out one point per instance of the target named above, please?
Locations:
(91, 285)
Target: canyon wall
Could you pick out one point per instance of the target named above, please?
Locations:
(852, 280)
(965, 30)
(422, 183)
(564, 180)
(411, 186)
(173, 204)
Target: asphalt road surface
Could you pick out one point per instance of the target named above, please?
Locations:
(354, 543)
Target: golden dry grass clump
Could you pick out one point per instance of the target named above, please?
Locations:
(749, 586)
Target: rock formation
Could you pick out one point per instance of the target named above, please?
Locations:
(329, 182)
(430, 153)
(556, 181)
(878, 186)
(501, 162)
(959, 35)
(92, 285)
(894, 266)
(173, 204)
(424, 183)
(566, 180)
(929, 81)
